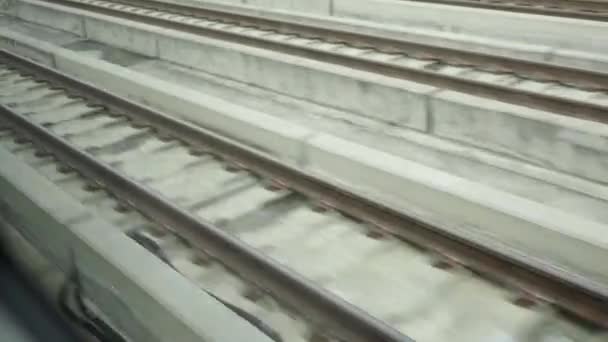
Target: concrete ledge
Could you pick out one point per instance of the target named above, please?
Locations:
(468, 209)
(34, 49)
(49, 17)
(322, 7)
(130, 38)
(567, 144)
(579, 59)
(264, 132)
(359, 92)
(152, 296)
(308, 6)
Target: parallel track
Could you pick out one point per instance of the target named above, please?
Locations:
(334, 258)
(557, 89)
(578, 9)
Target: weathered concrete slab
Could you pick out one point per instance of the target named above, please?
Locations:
(174, 307)
(130, 38)
(58, 37)
(261, 131)
(571, 145)
(49, 17)
(25, 49)
(318, 7)
(367, 94)
(308, 6)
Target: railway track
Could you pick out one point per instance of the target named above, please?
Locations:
(566, 91)
(301, 258)
(579, 9)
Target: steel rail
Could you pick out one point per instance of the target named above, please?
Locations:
(541, 101)
(570, 292)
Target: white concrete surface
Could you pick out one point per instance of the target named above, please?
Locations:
(318, 7)
(116, 270)
(571, 145)
(52, 18)
(394, 101)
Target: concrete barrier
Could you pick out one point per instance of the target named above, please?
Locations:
(137, 291)
(570, 145)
